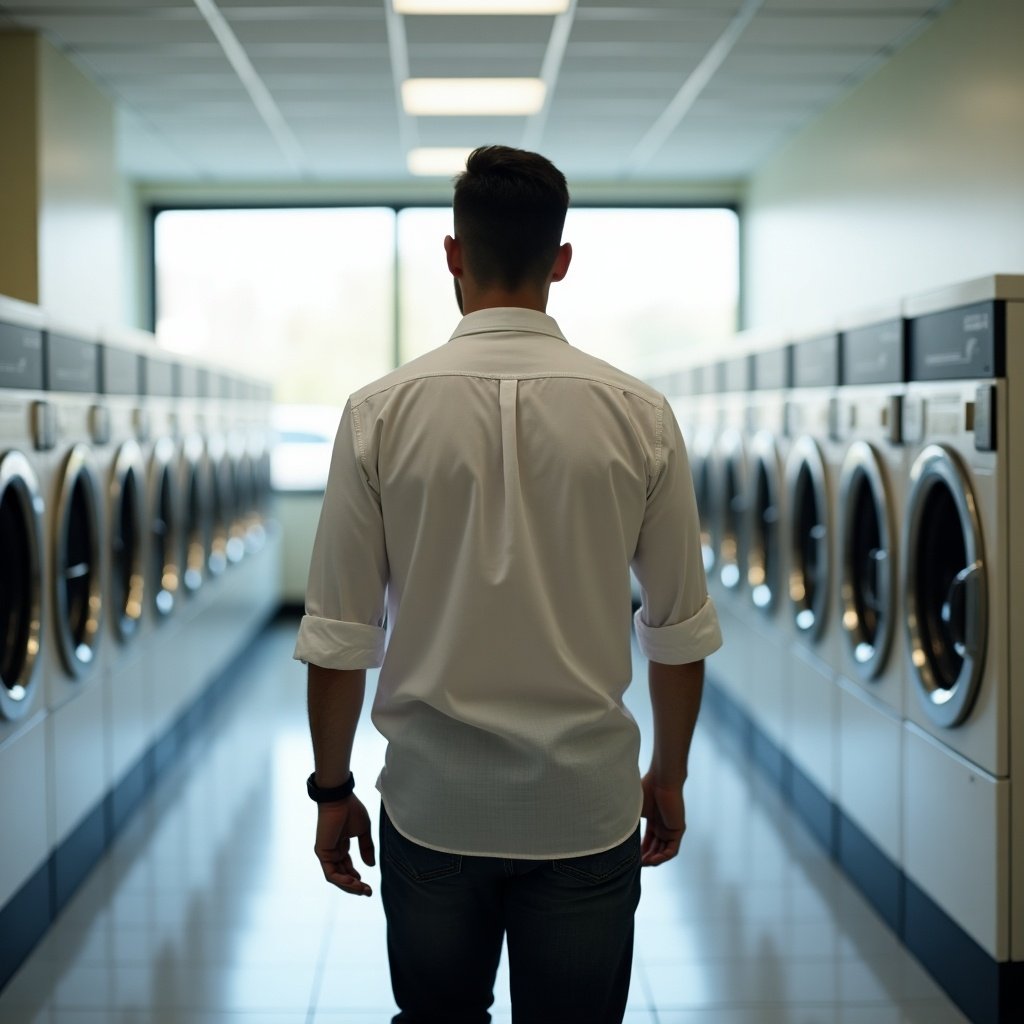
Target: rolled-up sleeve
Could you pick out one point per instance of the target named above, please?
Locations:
(343, 626)
(676, 623)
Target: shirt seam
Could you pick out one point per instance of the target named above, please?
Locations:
(543, 375)
(658, 437)
(360, 447)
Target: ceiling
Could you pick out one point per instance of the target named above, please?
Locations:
(655, 90)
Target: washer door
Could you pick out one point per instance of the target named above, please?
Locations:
(221, 502)
(127, 568)
(763, 541)
(810, 572)
(196, 528)
(78, 591)
(702, 469)
(164, 542)
(732, 478)
(946, 586)
(868, 584)
(21, 583)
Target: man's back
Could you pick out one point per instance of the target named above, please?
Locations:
(514, 477)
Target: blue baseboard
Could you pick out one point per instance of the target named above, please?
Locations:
(72, 861)
(878, 878)
(986, 990)
(24, 920)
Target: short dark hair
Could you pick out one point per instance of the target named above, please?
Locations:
(509, 208)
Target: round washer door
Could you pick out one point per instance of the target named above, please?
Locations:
(810, 564)
(701, 466)
(946, 586)
(164, 542)
(127, 566)
(21, 583)
(196, 510)
(868, 582)
(763, 541)
(731, 503)
(78, 590)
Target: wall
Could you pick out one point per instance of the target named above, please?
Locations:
(914, 181)
(64, 248)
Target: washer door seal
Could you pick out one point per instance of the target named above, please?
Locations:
(811, 570)
(946, 586)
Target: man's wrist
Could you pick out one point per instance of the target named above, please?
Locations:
(329, 794)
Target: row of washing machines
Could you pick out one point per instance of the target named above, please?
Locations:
(861, 494)
(136, 560)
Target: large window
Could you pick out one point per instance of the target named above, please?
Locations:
(322, 301)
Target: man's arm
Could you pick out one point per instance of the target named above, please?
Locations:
(335, 699)
(675, 701)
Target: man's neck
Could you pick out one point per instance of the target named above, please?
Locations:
(499, 298)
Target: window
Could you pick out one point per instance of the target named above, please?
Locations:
(310, 298)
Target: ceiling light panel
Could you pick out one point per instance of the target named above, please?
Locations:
(485, 7)
(491, 97)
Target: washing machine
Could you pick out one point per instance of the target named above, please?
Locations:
(869, 611)
(130, 622)
(76, 528)
(729, 476)
(26, 434)
(963, 599)
(812, 468)
(768, 635)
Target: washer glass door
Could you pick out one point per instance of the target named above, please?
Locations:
(946, 586)
(163, 529)
(809, 537)
(21, 585)
(763, 544)
(868, 580)
(127, 574)
(78, 589)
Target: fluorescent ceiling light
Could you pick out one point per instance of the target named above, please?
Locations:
(499, 97)
(437, 161)
(480, 6)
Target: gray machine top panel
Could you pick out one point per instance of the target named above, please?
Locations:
(159, 376)
(72, 364)
(967, 343)
(772, 369)
(816, 362)
(736, 374)
(21, 357)
(876, 354)
(120, 371)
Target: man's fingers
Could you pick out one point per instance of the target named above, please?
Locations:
(366, 850)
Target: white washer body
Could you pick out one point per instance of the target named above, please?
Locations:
(24, 598)
(812, 471)
(869, 609)
(76, 730)
(963, 824)
(768, 632)
(128, 622)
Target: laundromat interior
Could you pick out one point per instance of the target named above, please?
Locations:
(802, 221)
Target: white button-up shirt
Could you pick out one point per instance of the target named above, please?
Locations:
(491, 496)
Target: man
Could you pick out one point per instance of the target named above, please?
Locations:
(491, 496)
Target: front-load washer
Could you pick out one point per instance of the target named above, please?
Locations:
(727, 580)
(76, 526)
(962, 822)
(129, 619)
(767, 638)
(811, 477)
(870, 496)
(26, 432)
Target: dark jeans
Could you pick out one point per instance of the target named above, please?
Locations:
(569, 925)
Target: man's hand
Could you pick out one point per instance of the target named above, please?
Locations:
(336, 823)
(666, 822)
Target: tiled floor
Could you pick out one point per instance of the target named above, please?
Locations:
(211, 909)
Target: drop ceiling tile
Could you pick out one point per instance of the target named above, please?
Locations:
(131, 29)
(833, 32)
(750, 60)
(469, 30)
(311, 30)
(95, 8)
(472, 64)
(858, 6)
(470, 131)
(696, 29)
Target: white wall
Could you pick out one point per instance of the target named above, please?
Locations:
(913, 181)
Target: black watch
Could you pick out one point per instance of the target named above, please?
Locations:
(332, 795)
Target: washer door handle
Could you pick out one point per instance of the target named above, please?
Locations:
(961, 609)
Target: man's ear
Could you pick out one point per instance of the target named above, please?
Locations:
(561, 265)
(453, 253)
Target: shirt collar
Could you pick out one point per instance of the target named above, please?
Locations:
(514, 319)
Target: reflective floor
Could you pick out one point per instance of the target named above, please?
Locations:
(211, 909)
